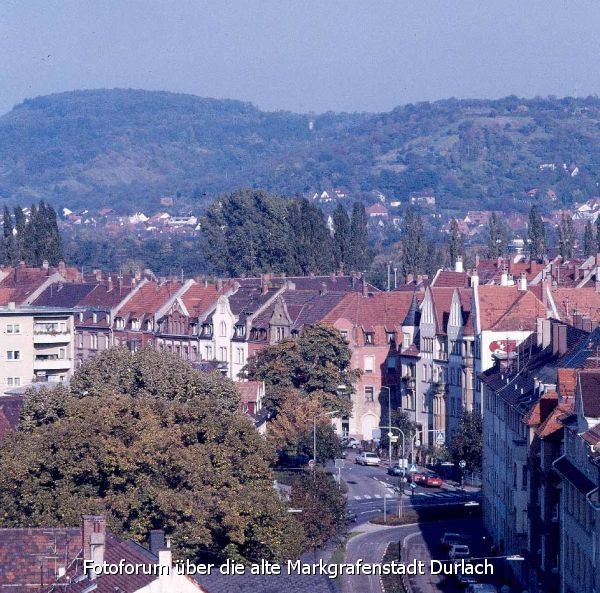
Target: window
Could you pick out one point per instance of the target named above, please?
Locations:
(240, 355)
(13, 355)
(391, 363)
(94, 341)
(223, 353)
(13, 328)
(135, 324)
(406, 340)
(62, 353)
(369, 393)
(79, 340)
(13, 381)
(223, 329)
(369, 364)
(344, 333)
(120, 323)
(391, 337)
(209, 352)
(368, 338)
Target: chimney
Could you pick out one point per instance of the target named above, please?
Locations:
(138, 275)
(476, 261)
(62, 268)
(157, 541)
(365, 291)
(539, 331)
(98, 275)
(265, 287)
(474, 278)
(559, 339)
(219, 284)
(546, 333)
(110, 283)
(93, 536)
(166, 573)
(522, 282)
(504, 278)
(323, 290)
(458, 265)
(12, 306)
(45, 264)
(586, 324)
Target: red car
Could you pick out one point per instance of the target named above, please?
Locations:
(417, 478)
(433, 481)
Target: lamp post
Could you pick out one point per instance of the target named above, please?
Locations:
(315, 433)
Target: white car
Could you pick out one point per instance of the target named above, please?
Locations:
(367, 458)
(458, 551)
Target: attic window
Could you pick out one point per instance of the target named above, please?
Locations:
(391, 337)
(80, 317)
(149, 325)
(95, 317)
(120, 322)
(368, 337)
(135, 324)
(240, 331)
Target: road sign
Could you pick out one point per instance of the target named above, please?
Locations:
(440, 439)
(413, 468)
(394, 439)
(311, 463)
(462, 464)
(413, 485)
(339, 463)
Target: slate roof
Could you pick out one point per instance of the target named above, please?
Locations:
(10, 412)
(249, 299)
(64, 295)
(589, 386)
(106, 295)
(413, 315)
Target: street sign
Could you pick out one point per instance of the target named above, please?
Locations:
(339, 463)
(440, 439)
(413, 485)
(394, 439)
(413, 468)
(462, 464)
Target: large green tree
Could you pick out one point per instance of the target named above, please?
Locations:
(414, 245)
(467, 443)
(150, 443)
(536, 234)
(341, 238)
(566, 236)
(497, 236)
(360, 256)
(456, 244)
(318, 361)
(589, 245)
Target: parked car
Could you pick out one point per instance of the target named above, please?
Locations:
(368, 458)
(458, 551)
(396, 470)
(449, 539)
(433, 481)
(351, 443)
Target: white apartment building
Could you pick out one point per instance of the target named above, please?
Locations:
(36, 345)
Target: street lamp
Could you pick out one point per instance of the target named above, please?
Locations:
(315, 433)
(389, 421)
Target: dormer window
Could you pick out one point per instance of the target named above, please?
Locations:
(391, 337)
(149, 325)
(120, 323)
(95, 317)
(369, 338)
(108, 318)
(240, 331)
(135, 324)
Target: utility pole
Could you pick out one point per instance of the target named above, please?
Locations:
(389, 266)
(389, 422)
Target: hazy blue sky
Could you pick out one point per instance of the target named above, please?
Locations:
(302, 55)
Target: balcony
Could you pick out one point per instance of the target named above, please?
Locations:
(51, 337)
(51, 363)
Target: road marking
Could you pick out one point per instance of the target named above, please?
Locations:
(367, 496)
(378, 496)
(357, 498)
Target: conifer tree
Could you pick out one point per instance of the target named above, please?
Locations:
(20, 224)
(498, 237)
(360, 254)
(341, 237)
(456, 247)
(566, 237)
(589, 248)
(414, 246)
(536, 235)
(8, 255)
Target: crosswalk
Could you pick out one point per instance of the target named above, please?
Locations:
(422, 495)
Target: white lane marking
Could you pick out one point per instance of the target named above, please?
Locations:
(367, 496)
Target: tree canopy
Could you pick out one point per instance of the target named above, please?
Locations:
(150, 443)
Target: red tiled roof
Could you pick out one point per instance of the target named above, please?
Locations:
(552, 425)
(509, 309)
(198, 298)
(149, 298)
(567, 380)
(446, 278)
(585, 301)
(249, 390)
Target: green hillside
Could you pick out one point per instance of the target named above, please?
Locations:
(123, 147)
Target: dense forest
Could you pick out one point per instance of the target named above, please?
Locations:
(89, 149)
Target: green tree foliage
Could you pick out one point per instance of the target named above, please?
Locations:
(311, 241)
(467, 444)
(150, 443)
(589, 245)
(36, 239)
(414, 246)
(400, 420)
(341, 239)
(536, 235)
(566, 237)
(323, 506)
(249, 232)
(497, 237)
(456, 245)
(360, 254)
(317, 362)
(292, 429)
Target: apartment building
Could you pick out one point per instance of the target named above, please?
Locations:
(36, 345)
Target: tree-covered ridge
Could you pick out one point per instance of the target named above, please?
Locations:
(109, 147)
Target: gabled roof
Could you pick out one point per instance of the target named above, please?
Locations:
(585, 301)
(442, 304)
(589, 389)
(149, 299)
(199, 298)
(64, 295)
(506, 308)
(413, 315)
(450, 279)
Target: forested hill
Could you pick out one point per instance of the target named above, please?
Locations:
(127, 148)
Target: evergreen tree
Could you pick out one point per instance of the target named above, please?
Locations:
(341, 237)
(360, 254)
(414, 246)
(7, 251)
(498, 237)
(456, 247)
(589, 248)
(20, 224)
(536, 235)
(566, 237)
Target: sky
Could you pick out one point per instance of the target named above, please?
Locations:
(302, 55)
